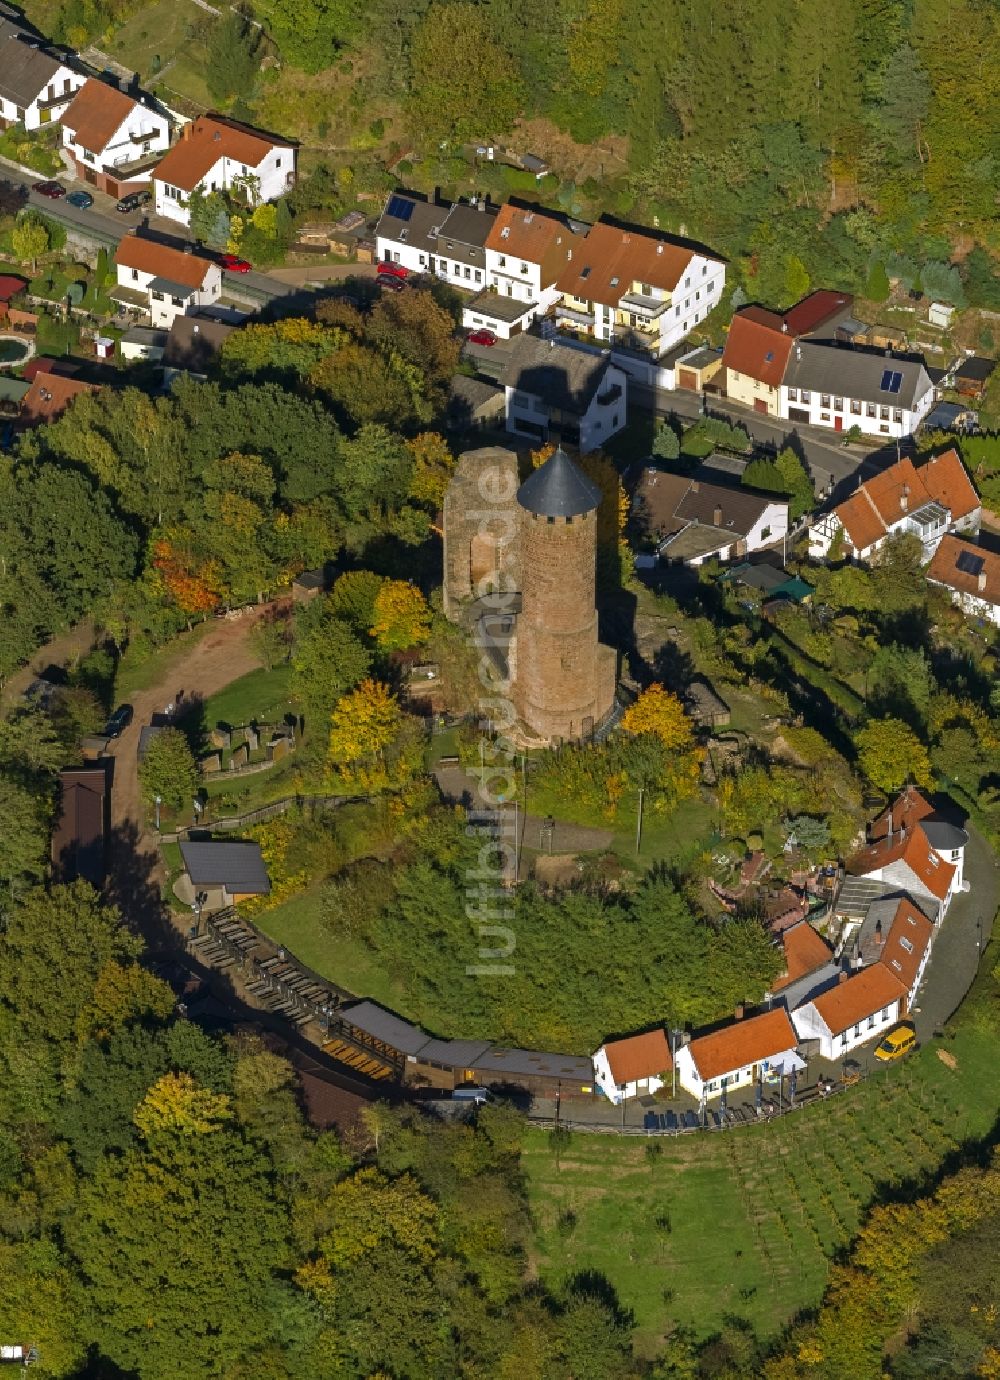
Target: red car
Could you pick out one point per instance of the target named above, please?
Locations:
(393, 270)
(482, 337)
(52, 189)
(234, 264)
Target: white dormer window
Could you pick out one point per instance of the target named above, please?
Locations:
(907, 944)
(505, 233)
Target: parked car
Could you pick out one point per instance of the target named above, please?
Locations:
(52, 189)
(897, 1043)
(235, 264)
(482, 337)
(472, 1094)
(389, 270)
(133, 201)
(119, 721)
(388, 284)
(81, 200)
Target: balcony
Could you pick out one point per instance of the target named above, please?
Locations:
(580, 318)
(641, 305)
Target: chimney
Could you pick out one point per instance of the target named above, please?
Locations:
(878, 933)
(798, 350)
(659, 249)
(904, 501)
(186, 131)
(188, 247)
(738, 1013)
(717, 516)
(842, 977)
(784, 327)
(981, 581)
(694, 486)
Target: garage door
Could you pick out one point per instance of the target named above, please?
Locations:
(759, 405)
(687, 379)
(796, 414)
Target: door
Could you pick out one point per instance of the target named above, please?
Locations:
(838, 423)
(686, 379)
(760, 405)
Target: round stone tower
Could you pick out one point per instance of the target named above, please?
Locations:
(565, 681)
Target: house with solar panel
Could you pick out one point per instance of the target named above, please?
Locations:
(828, 385)
(928, 502)
(445, 239)
(971, 574)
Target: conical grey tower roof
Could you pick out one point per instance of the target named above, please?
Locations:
(559, 489)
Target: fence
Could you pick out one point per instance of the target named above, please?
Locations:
(263, 814)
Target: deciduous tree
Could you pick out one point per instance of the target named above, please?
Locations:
(169, 770)
(890, 754)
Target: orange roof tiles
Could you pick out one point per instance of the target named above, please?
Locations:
(945, 570)
(915, 852)
(640, 1056)
(757, 347)
(743, 1043)
(202, 143)
(820, 306)
(149, 256)
(535, 235)
(909, 938)
(96, 113)
(858, 997)
(49, 396)
(908, 809)
(902, 489)
(608, 261)
(805, 951)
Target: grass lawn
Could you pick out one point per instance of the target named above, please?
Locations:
(160, 31)
(296, 924)
(264, 695)
(746, 1223)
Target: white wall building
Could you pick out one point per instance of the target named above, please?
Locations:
(35, 86)
(638, 1065)
(825, 385)
(560, 392)
(167, 282)
(113, 139)
(739, 1055)
(217, 155)
(971, 574)
(858, 1009)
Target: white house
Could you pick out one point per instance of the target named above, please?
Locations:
(826, 385)
(739, 1055)
(907, 861)
(35, 86)
(636, 289)
(445, 239)
(560, 392)
(694, 520)
(971, 574)
(927, 503)
(165, 282)
(910, 809)
(860, 1008)
(113, 140)
(639, 1064)
(219, 155)
(526, 250)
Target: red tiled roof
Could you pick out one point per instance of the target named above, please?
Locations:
(945, 570)
(42, 364)
(203, 142)
(10, 286)
(813, 310)
(743, 1043)
(531, 233)
(903, 948)
(901, 489)
(907, 810)
(858, 997)
(96, 113)
(608, 261)
(149, 256)
(50, 395)
(756, 347)
(805, 951)
(640, 1056)
(912, 849)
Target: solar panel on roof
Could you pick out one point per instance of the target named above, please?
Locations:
(399, 208)
(969, 564)
(891, 381)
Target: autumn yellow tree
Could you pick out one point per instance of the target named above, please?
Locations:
(433, 464)
(401, 616)
(177, 1103)
(659, 712)
(123, 993)
(362, 726)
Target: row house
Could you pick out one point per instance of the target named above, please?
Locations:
(113, 140)
(739, 1055)
(636, 289)
(760, 343)
(36, 86)
(971, 574)
(442, 239)
(525, 251)
(926, 502)
(220, 155)
(164, 281)
(907, 861)
(911, 809)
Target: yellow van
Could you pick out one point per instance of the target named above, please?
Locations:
(897, 1043)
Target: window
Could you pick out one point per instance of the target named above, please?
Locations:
(614, 420)
(907, 945)
(704, 269)
(697, 296)
(793, 395)
(687, 282)
(871, 1022)
(677, 311)
(177, 301)
(765, 534)
(479, 276)
(135, 275)
(468, 271)
(896, 964)
(883, 412)
(423, 261)
(524, 268)
(855, 408)
(806, 395)
(870, 409)
(157, 296)
(838, 404)
(884, 427)
(843, 1039)
(505, 235)
(857, 1030)
(502, 260)
(897, 416)
(824, 400)
(277, 162)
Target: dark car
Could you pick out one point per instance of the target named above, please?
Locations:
(81, 200)
(388, 284)
(133, 201)
(52, 189)
(119, 721)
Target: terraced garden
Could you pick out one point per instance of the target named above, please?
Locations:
(745, 1223)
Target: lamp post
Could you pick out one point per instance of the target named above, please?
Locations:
(673, 1061)
(158, 801)
(196, 907)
